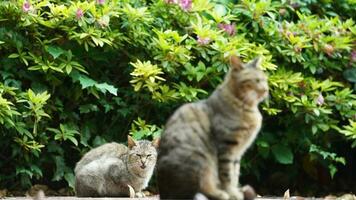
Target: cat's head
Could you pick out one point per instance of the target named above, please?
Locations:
(142, 156)
(247, 81)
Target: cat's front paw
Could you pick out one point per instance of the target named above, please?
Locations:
(140, 195)
(249, 192)
(218, 194)
(235, 193)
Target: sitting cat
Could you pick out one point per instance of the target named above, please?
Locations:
(203, 142)
(110, 169)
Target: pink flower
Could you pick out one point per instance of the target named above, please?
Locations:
(230, 29)
(79, 14)
(353, 56)
(320, 100)
(185, 4)
(26, 6)
(203, 41)
(100, 2)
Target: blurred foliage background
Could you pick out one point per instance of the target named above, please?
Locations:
(76, 74)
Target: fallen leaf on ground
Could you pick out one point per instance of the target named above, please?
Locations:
(286, 195)
(347, 197)
(3, 193)
(40, 195)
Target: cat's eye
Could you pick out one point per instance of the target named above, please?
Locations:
(139, 155)
(148, 155)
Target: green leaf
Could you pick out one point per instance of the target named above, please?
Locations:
(22, 170)
(60, 166)
(263, 151)
(332, 170)
(324, 127)
(14, 55)
(68, 68)
(73, 140)
(36, 170)
(85, 134)
(86, 81)
(54, 130)
(220, 9)
(262, 143)
(353, 145)
(283, 154)
(55, 51)
(138, 135)
(316, 112)
(87, 108)
(98, 141)
(70, 178)
(350, 75)
(103, 87)
(314, 129)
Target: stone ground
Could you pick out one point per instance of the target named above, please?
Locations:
(148, 198)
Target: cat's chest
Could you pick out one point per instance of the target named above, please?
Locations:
(242, 120)
(238, 132)
(137, 183)
(251, 120)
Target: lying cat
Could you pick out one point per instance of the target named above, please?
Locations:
(110, 169)
(203, 142)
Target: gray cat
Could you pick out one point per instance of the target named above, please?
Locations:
(203, 142)
(111, 169)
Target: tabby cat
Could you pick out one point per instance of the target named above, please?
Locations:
(203, 142)
(110, 169)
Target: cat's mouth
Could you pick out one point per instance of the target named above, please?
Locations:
(143, 166)
(263, 94)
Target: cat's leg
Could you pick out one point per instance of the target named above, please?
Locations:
(234, 189)
(115, 171)
(229, 168)
(118, 190)
(237, 171)
(228, 173)
(84, 186)
(209, 185)
(114, 185)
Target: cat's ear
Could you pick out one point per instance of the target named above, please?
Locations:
(255, 63)
(235, 63)
(130, 142)
(155, 142)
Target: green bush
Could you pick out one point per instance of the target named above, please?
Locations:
(76, 74)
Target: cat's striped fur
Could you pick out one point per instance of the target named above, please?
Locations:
(203, 142)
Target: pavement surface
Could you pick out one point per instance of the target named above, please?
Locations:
(145, 198)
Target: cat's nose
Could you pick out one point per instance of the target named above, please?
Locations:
(143, 164)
